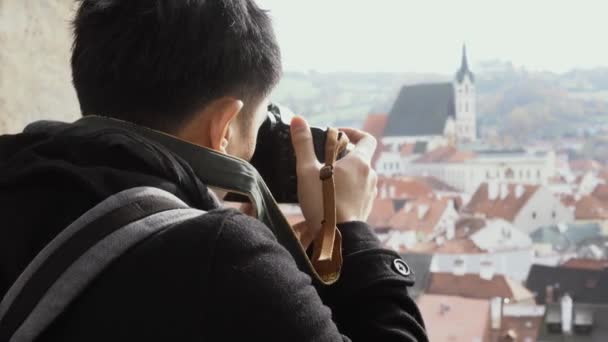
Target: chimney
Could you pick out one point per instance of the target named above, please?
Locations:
(450, 231)
(434, 268)
(549, 295)
(486, 270)
(391, 191)
(519, 190)
(422, 210)
(566, 306)
(492, 191)
(496, 313)
(383, 191)
(459, 268)
(504, 191)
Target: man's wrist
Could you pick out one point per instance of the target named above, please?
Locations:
(357, 236)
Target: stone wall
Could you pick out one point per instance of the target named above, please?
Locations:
(35, 80)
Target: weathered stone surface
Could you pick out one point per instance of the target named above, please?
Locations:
(35, 80)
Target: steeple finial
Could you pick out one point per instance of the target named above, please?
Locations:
(465, 64)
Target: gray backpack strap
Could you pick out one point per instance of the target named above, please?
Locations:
(75, 257)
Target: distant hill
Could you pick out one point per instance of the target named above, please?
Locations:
(512, 101)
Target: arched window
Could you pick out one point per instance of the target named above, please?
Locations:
(509, 174)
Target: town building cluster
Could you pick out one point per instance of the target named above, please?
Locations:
(506, 244)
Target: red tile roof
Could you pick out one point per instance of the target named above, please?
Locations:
(421, 215)
(446, 154)
(437, 185)
(375, 124)
(473, 286)
(382, 211)
(406, 187)
(586, 264)
(601, 192)
(449, 318)
(458, 246)
(506, 207)
(590, 208)
(584, 165)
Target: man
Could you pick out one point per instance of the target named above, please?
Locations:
(200, 70)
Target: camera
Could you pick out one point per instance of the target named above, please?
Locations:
(275, 158)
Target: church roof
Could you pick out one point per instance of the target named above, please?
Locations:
(421, 109)
(464, 67)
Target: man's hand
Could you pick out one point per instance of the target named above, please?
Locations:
(354, 178)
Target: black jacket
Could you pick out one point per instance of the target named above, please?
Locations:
(219, 277)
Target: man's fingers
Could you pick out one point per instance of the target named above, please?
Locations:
(365, 144)
(301, 138)
(354, 135)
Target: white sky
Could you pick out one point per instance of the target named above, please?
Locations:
(426, 35)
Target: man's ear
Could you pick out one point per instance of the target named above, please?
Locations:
(225, 111)
(211, 126)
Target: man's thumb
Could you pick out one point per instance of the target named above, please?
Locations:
(301, 138)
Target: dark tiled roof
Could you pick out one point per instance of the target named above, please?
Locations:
(585, 286)
(421, 109)
(597, 333)
(569, 239)
(421, 265)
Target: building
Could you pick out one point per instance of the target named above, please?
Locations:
(564, 238)
(425, 216)
(455, 319)
(514, 264)
(515, 322)
(485, 285)
(569, 321)
(527, 207)
(436, 114)
(465, 171)
(583, 285)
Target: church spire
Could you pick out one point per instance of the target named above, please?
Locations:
(464, 64)
(464, 67)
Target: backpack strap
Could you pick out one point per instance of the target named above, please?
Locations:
(75, 257)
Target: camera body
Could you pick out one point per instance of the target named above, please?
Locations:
(275, 158)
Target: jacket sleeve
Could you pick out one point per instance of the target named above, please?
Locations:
(260, 295)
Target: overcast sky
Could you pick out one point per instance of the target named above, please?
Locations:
(427, 35)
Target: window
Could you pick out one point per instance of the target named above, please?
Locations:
(521, 174)
(488, 176)
(554, 214)
(534, 215)
(466, 107)
(528, 174)
(538, 174)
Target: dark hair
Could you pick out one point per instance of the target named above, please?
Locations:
(155, 62)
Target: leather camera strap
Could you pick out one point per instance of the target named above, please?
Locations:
(327, 247)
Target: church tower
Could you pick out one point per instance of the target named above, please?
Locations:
(465, 101)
